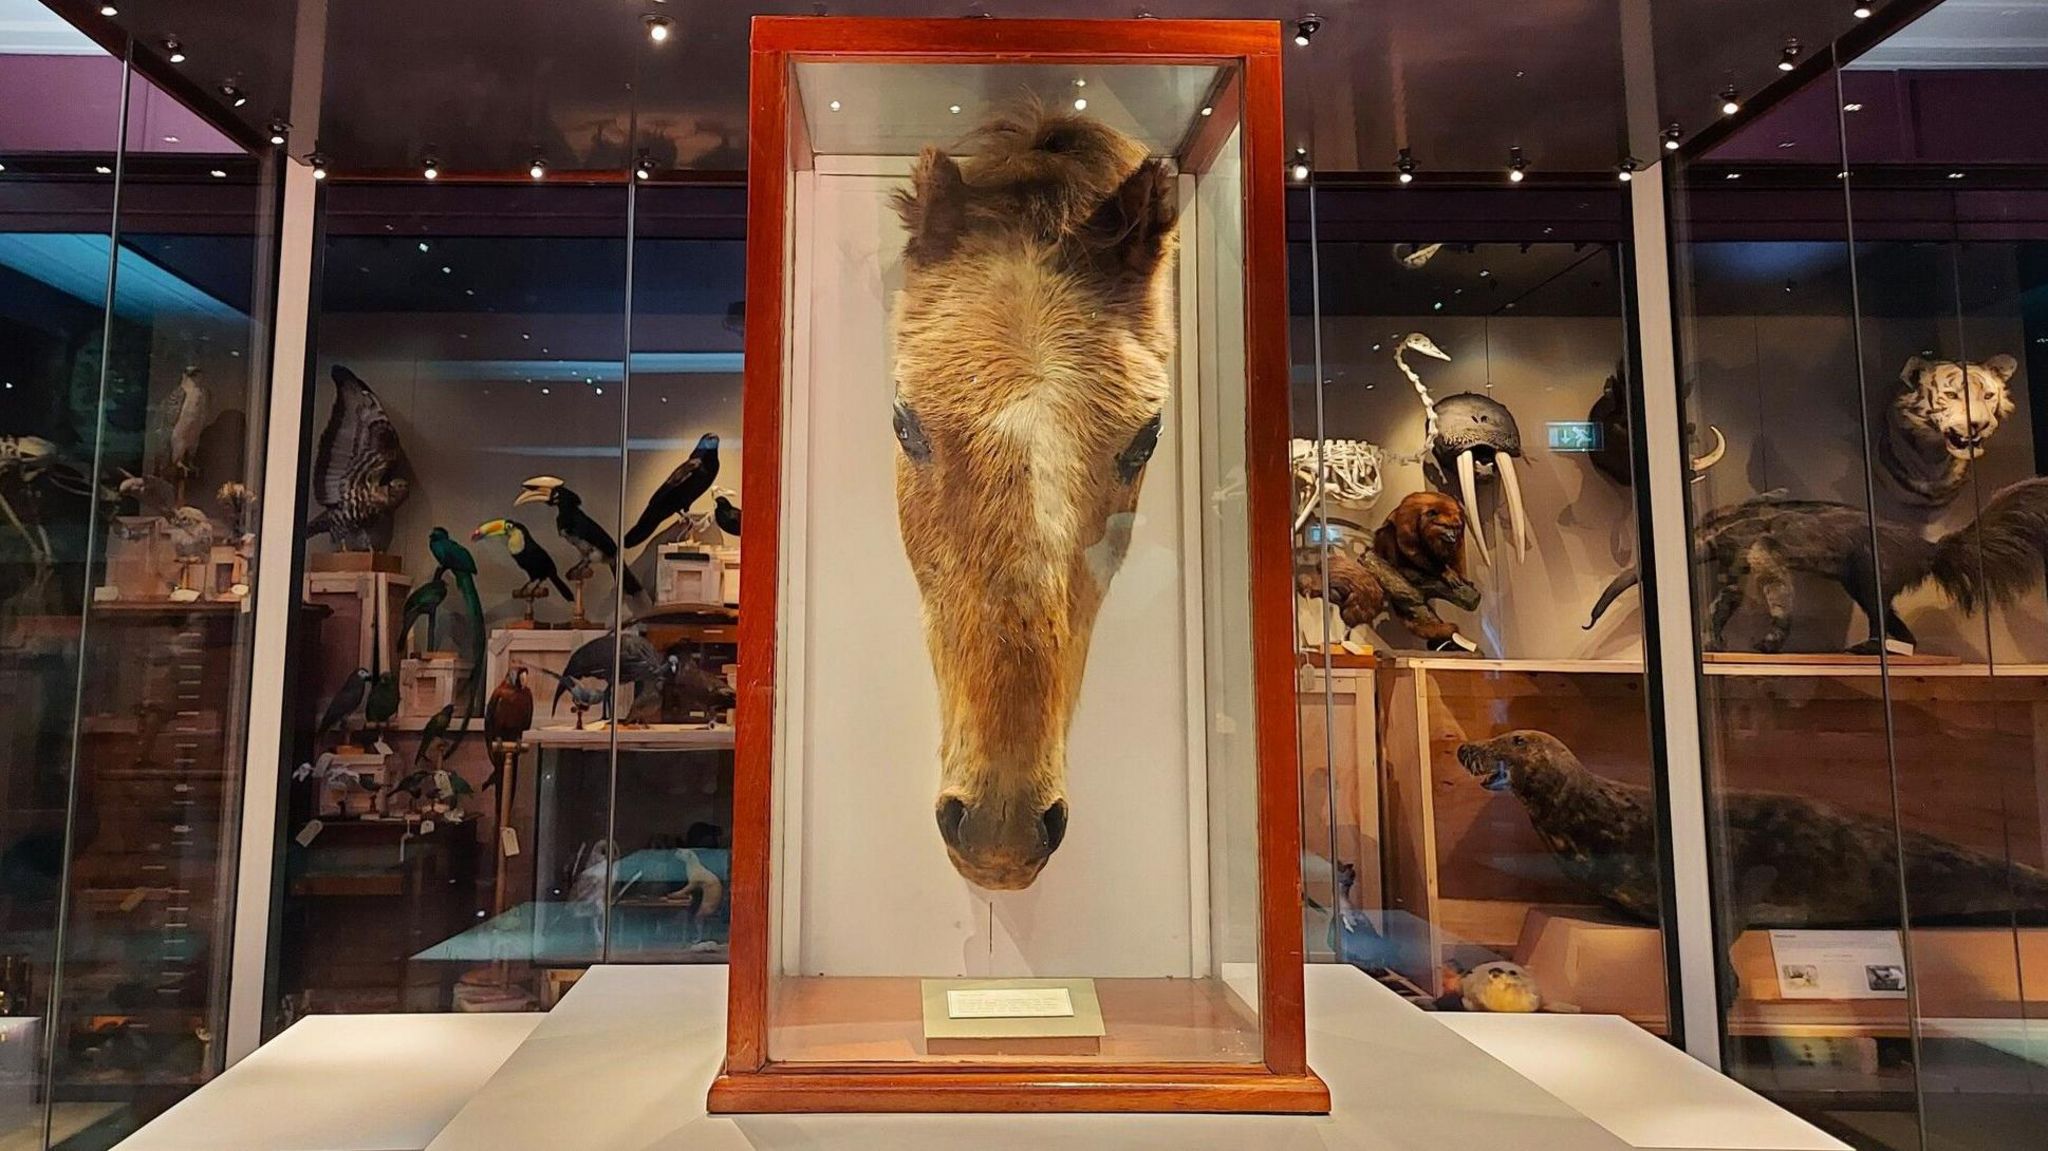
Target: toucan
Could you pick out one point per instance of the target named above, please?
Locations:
(532, 558)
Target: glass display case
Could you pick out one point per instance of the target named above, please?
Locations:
(1015, 796)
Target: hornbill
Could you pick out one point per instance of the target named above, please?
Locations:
(532, 558)
(586, 535)
(683, 487)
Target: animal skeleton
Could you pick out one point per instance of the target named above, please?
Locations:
(1481, 440)
(1346, 471)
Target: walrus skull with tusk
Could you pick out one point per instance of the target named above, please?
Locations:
(1471, 436)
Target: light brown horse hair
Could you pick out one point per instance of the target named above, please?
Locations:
(1031, 345)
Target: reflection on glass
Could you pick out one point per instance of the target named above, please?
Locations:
(1478, 772)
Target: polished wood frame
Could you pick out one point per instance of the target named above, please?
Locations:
(750, 1081)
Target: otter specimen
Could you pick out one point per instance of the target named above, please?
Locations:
(1759, 543)
(1795, 862)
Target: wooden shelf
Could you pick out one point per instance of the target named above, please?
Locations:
(597, 735)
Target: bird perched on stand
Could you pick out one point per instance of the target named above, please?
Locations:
(382, 703)
(532, 558)
(425, 600)
(727, 513)
(356, 478)
(435, 731)
(638, 664)
(453, 557)
(683, 487)
(237, 506)
(586, 535)
(506, 717)
(345, 702)
(182, 416)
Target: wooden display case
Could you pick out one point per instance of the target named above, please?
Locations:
(840, 111)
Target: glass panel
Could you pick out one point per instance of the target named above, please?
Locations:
(470, 340)
(1055, 792)
(1451, 862)
(56, 229)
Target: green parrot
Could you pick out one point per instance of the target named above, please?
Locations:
(383, 701)
(436, 729)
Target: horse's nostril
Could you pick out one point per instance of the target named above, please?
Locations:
(951, 812)
(1055, 818)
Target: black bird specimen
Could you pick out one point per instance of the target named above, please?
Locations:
(425, 600)
(532, 558)
(345, 701)
(727, 513)
(382, 703)
(356, 478)
(638, 664)
(683, 487)
(586, 535)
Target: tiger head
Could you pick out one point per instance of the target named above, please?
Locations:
(1955, 404)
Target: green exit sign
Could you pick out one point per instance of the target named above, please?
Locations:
(1574, 436)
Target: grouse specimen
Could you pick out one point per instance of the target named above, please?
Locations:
(586, 535)
(345, 701)
(638, 664)
(180, 418)
(453, 557)
(532, 558)
(506, 717)
(425, 600)
(356, 478)
(683, 487)
(727, 514)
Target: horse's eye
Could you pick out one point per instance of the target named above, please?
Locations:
(1132, 459)
(910, 434)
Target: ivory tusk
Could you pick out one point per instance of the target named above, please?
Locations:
(1714, 454)
(1511, 485)
(1468, 488)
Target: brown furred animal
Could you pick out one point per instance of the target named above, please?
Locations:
(1031, 343)
(1424, 535)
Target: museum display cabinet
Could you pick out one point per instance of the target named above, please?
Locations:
(1092, 897)
(135, 248)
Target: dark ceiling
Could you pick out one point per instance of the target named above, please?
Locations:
(483, 86)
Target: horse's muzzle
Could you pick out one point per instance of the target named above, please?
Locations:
(1000, 846)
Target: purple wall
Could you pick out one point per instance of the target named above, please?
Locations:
(73, 104)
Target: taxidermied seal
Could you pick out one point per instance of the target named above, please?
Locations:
(1797, 863)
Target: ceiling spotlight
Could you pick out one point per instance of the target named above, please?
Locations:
(109, 11)
(102, 169)
(233, 93)
(1852, 107)
(1955, 175)
(658, 28)
(1518, 166)
(319, 163)
(174, 50)
(1672, 135)
(834, 105)
(1405, 165)
(1208, 111)
(538, 169)
(1731, 101)
(278, 131)
(1627, 172)
(1305, 29)
(218, 174)
(1789, 58)
(1861, 12)
(1080, 103)
(953, 108)
(645, 168)
(1300, 168)
(431, 167)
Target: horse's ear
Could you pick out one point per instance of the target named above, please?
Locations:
(1133, 229)
(934, 209)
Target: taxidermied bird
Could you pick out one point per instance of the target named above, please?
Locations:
(191, 533)
(237, 506)
(683, 487)
(382, 703)
(727, 513)
(453, 557)
(182, 415)
(532, 558)
(436, 729)
(153, 496)
(425, 600)
(356, 478)
(586, 535)
(345, 701)
(506, 718)
(639, 665)
(583, 694)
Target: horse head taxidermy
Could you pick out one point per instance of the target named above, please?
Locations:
(1032, 339)
(1343, 472)
(1470, 435)
(1939, 422)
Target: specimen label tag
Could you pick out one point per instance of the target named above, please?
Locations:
(310, 832)
(1010, 1003)
(508, 841)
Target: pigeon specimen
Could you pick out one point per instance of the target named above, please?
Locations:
(727, 514)
(532, 558)
(683, 487)
(586, 535)
(356, 478)
(345, 701)
(425, 600)
(182, 417)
